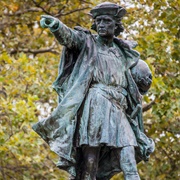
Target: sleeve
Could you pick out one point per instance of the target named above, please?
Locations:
(68, 37)
(142, 76)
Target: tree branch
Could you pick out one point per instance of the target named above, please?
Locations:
(33, 51)
(33, 9)
(3, 93)
(148, 106)
(70, 12)
(38, 5)
(86, 2)
(14, 168)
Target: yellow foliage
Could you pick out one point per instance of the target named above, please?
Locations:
(26, 78)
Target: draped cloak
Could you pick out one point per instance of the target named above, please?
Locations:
(72, 84)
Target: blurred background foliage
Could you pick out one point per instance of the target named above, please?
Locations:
(29, 58)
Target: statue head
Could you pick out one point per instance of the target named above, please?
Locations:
(110, 9)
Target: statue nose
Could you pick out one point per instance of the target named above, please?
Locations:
(101, 24)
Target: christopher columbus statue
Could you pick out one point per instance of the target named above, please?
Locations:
(97, 127)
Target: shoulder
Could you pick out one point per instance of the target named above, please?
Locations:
(125, 43)
(81, 29)
(131, 55)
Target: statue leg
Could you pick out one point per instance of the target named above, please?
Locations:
(90, 158)
(128, 163)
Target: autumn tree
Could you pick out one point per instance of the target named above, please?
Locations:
(29, 58)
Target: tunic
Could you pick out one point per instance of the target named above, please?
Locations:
(104, 120)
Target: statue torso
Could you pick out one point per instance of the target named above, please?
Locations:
(110, 66)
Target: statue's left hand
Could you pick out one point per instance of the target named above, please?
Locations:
(146, 81)
(142, 76)
(48, 21)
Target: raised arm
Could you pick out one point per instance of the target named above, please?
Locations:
(65, 35)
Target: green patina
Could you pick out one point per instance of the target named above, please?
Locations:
(100, 86)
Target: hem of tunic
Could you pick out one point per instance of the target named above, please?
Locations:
(105, 144)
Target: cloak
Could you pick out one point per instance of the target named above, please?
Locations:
(71, 85)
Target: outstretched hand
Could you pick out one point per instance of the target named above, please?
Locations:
(48, 21)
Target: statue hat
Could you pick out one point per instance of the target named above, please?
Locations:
(108, 8)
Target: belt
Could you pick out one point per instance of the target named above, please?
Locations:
(118, 89)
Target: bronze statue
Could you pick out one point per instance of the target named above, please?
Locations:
(97, 127)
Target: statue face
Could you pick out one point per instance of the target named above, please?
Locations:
(105, 25)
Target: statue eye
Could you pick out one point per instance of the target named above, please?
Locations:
(98, 21)
(108, 20)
